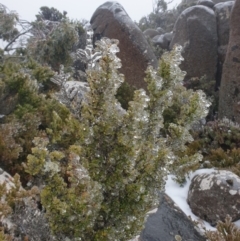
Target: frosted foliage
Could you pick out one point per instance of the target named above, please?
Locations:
(228, 123)
(109, 47)
(71, 92)
(80, 178)
(176, 74)
(88, 55)
(123, 157)
(60, 78)
(40, 142)
(191, 107)
(51, 167)
(80, 173)
(79, 204)
(129, 153)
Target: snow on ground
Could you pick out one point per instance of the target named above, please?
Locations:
(179, 195)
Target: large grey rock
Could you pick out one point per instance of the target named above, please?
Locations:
(150, 32)
(168, 222)
(196, 31)
(222, 12)
(229, 96)
(213, 196)
(111, 20)
(160, 30)
(162, 40)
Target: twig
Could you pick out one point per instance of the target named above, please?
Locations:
(13, 40)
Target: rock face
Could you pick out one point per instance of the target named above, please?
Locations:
(229, 96)
(196, 31)
(213, 196)
(222, 12)
(168, 222)
(111, 20)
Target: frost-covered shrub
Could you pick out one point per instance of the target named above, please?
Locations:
(51, 42)
(125, 94)
(219, 142)
(8, 21)
(13, 198)
(101, 187)
(209, 87)
(27, 110)
(227, 231)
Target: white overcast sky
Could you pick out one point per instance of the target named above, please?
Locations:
(78, 9)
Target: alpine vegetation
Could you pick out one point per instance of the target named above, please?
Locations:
(100, 183)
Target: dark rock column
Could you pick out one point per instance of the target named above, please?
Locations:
(111, 20)
(229, 96)
(223, 13)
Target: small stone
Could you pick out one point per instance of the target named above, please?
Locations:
(178, 238)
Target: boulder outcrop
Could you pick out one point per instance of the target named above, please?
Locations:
(214, 196)
(160, 30)
(222, 12)
(111, 20)
(169, 222)
(162, 40)
(150, 32)
(195, 30)
(229, 96)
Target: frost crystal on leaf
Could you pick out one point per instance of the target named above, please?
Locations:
(60, 78)
(88, 55)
